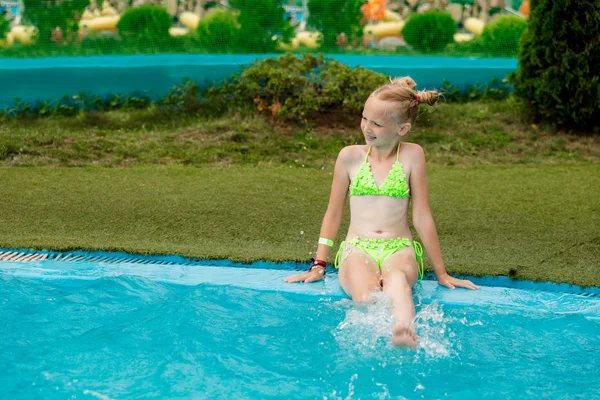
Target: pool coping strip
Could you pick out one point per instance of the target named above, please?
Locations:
(31, 255)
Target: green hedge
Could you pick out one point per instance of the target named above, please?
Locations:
(430, 31)
(559, 64)
(261, 24)
(332, 17)
(501, 37)
(219, 32)
(4, 27)
(148, 23)
(46, 15)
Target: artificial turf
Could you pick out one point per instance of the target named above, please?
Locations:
(537, 222)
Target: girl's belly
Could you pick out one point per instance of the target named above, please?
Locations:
(379, 217)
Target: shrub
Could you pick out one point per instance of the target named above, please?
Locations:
(183, 97)
(299, 88)
(493, 90)
(332, 17)
(219, 31)
(46, 15)
(148, 23)
(501, 37)
(559, 63)
(4, 27)
(430, 31)
(260, 21)
(137, 101)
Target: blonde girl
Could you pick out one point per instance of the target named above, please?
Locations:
(382, 178)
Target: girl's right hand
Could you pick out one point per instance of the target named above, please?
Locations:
(316, 274)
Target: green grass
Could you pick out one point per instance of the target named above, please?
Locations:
(509, 197)
(528, 222)
(452, 134)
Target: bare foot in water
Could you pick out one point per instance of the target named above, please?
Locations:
(404, 335)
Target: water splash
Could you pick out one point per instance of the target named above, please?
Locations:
(334, 394)
(432, 328)
(367, 328)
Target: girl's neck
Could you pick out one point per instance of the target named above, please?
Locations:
(384, 153)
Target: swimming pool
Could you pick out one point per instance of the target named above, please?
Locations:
(104, 330)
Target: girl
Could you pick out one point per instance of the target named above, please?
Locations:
(379, 252)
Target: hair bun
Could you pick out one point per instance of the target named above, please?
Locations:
(403, 93)
(405, 81)
(429, 97)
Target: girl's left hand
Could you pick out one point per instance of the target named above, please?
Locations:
(452, 283)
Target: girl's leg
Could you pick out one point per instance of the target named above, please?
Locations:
(358, 275)
(399, 274)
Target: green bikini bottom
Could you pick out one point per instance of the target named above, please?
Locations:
(380, 249)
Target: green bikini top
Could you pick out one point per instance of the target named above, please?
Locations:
(394, 185)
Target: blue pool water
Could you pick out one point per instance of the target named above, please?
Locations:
(80, 330)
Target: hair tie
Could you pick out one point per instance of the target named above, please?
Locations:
(418, 98)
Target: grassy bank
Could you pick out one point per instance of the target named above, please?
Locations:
(529, 222)
(452, 134)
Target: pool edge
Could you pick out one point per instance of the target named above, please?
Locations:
(174, 259)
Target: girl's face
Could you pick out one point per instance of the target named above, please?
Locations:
(378, 124)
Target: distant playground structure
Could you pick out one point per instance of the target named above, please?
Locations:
(381, 22)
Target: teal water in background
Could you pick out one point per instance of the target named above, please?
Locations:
(40, 79)
(96, 330)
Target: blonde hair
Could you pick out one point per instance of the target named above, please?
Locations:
(403, 92)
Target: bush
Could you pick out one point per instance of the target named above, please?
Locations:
(559, 63)
(430, 31)
(46, 15)
(493, 90)
(299, 88)
(184, 97)
(148, 24)
(332, 17)
(219, 31)
(260, 21)
(4, 27)
(501, 37)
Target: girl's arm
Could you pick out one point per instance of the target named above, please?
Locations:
(333, 216)
(337, 199)
(423, 220)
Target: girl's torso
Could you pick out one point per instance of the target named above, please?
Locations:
(379, 195)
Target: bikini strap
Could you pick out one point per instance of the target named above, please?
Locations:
(367, 156)
(397, 152)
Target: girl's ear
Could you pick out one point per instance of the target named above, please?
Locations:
(404, 129)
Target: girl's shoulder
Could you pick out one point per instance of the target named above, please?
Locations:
(412, 147)
(350, 154)
(413, 151)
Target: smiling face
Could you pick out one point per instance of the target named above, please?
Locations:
(380, 124)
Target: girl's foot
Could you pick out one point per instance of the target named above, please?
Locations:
(403, 334)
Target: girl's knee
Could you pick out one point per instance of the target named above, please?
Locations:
(362, 297)
(397, 279)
